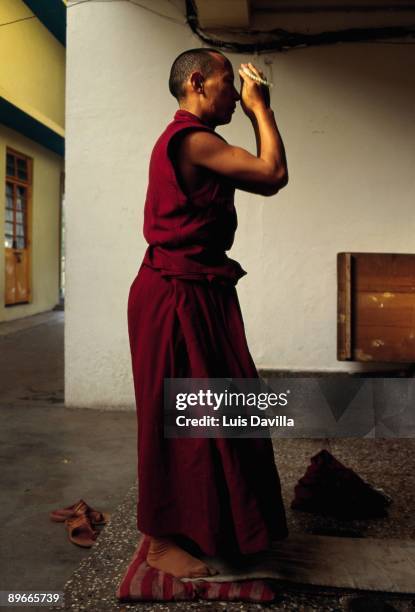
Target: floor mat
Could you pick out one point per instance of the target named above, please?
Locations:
(143, 583)
(351, 563)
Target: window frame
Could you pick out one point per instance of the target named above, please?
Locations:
(27, 184)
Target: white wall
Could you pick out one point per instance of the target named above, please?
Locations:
(347, 116)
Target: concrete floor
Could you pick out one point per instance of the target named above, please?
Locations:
(53, 456)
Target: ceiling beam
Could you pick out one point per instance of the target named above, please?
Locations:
(313, 6)
(217, 14)
(52, 13)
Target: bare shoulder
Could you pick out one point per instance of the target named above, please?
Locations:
(200, 143)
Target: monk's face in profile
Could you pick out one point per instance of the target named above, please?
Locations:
(220, 95)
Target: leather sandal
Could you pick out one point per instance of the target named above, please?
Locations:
(80, 531)
(81, 507)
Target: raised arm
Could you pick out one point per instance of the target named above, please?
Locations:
(266, 173)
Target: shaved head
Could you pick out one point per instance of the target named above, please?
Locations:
(203, 60)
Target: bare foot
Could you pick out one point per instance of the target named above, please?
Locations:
(166, 556)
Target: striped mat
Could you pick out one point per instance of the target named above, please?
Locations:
(366, 564)
(143, 583)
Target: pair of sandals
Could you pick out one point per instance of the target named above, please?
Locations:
(80, 520)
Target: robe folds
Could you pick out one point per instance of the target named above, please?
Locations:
(185, 321)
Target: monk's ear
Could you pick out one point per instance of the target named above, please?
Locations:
(197, 82)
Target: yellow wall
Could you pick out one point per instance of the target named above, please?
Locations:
(47, 168)
(32, 70)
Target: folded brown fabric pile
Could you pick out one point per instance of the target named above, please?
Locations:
(330, 488)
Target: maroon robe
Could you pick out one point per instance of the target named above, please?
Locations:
(184, 320)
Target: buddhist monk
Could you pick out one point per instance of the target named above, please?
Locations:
(200, 496)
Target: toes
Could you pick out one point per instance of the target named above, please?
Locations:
(200, 574)
(203, 572)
